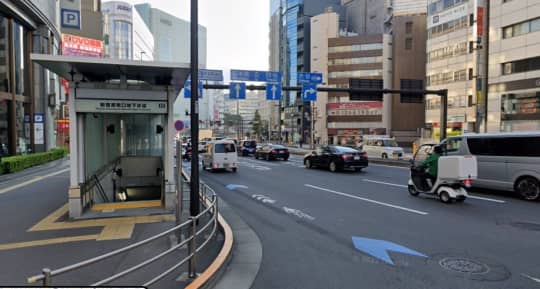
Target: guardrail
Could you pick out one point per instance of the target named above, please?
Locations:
(208, 199)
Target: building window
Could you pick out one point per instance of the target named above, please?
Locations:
(408, 43)
(523, 65)
(471, 73)
(448, 27)
(355, 47)
(441, 5)
(20, 58)
(4, 55)
(123, 39)
(521, 28)
(357, 60)
(448, 52)
(408, 27)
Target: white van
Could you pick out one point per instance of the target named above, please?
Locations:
(220, 154)
(383, 147)
(506, 161)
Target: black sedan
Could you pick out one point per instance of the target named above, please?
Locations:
(336, 158)
(272, 152)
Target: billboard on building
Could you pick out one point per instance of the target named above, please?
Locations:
(81, 46)
(354, 108)
(448, 15)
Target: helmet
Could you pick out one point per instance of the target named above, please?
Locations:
(437, 149)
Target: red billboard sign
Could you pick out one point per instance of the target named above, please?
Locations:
(81, 46)
(480, 21)
(63, 125)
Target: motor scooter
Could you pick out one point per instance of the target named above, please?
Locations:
(454, 178)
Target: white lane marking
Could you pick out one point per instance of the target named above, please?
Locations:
(35, 179)
(298, 213)
(470, 196)
(263, 199)
(487, 199)
(368, 200)
(537, 280)
(394, 167)
(254, 166)
(385, 183)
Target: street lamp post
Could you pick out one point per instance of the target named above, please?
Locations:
(194, 205)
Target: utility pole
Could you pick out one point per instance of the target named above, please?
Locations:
(194, 204)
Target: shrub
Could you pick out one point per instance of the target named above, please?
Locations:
(18, 163)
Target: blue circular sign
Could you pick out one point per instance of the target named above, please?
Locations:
(179, 125)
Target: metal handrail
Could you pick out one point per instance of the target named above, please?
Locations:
(211, 207)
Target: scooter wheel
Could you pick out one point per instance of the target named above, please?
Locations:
(445, 197)
(413, 191)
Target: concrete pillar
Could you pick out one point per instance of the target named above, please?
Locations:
(387, 83)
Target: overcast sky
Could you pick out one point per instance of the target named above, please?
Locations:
(237, 30)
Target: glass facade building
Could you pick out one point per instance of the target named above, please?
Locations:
(25, 89)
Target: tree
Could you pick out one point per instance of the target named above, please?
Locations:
(257, 125)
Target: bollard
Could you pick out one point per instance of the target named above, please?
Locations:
(47, 276)
(193, 249)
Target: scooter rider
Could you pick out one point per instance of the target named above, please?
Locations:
(432, 164)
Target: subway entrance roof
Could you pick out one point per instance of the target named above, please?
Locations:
(106, 69)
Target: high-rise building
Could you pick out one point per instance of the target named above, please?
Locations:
(456, 60)
(172, 44)
(171, 35)
(126, 35)
(294, 56)
(390, 49)
(514, 66)
(27, 91)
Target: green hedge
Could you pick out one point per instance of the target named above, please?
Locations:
(18, 163)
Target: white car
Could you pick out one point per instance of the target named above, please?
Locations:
(382, 147)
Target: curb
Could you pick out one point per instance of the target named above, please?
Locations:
(207, 278)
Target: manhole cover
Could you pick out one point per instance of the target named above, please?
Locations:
(526, 226)
(463, 265)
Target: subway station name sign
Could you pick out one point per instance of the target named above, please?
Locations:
(120, 106)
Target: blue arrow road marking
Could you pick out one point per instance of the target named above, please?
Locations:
(379, 249)
(233, 187)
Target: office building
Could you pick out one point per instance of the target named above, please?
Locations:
(293, 53)
(390, 50)
(514, 66)
(91, 21)
(172, 44)
(456, 60)
(126, 36)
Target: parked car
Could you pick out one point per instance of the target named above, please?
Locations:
(382, 147)
(506, 161)
(247, 147)
(186, 152)
(220, 155)
(272, 152)
(336, 158)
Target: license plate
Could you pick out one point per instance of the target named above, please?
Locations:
(356, 158)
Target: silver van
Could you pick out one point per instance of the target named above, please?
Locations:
(506, 161)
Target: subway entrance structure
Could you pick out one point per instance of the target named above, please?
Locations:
(121, 132)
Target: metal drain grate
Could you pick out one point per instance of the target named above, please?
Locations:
(463, 265)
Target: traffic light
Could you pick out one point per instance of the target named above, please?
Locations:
(367, 84)
(412, 84)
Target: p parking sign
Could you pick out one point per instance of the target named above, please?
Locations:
(71, 18)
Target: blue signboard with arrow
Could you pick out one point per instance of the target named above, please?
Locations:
(237, 90)
(309, 92)
(187, 89)
(273, 91)
(310, 78)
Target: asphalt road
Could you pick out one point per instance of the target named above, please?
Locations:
(306, 220)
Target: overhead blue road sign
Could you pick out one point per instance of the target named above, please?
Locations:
(70, 18)
(210, 74)
(310, 77)
(380, 248)
(309, 92)
(237, 90)
(273, 91)
(261, 76)
(187, 89)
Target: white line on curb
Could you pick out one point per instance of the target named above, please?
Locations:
(36, 179)
(368, 200)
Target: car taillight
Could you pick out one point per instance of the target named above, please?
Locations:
(274, 151)
(467, 183)
(346, 157)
